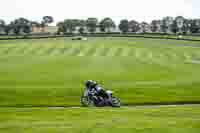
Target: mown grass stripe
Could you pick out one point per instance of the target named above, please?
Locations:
(174, 56)
(197, 56)
(194, 56)
(137, 53)
(2, 50)
(55, 51)
(21, 51)
(86, 51)
(42, 51)
(70, 50)
(91, 51)
(83, 50)
(144, 54)
(181, 56)
(125, 52)
(29, 49)
(105, 51)
(9, 50)
(168, 56)
(15, 50)
(158, 58)
(50, 50)
(131, 52)
(177, 55)
(118, 52)
(112, 51)
(150, 55)
(98, 51)
(73, 50)
(35, 50)
(63, 50)
(187, 56)
(77, 50)
(162, 57)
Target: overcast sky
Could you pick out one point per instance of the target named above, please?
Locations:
(141, 10)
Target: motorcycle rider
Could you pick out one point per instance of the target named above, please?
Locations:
(94, 89)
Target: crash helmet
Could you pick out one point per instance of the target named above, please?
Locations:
(94, 84)
(90, 83)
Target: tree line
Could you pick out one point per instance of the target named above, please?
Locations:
(170, 25)
(23, 26)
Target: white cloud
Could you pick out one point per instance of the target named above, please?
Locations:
(141, 10)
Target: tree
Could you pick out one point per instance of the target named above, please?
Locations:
(26, 29)
(21, 25)
(69, 25)
(195, 26)
(2, 25)
(144, 27)
(15, 27)
(187, 26)
(180, 23)
(102, 27)
(81, 30)
(155, 25)
(164, 26)
(2, 22)
(124, 26)
(7, 29)
(61, 27)
(47, 20)
(167, 23)
(174, 27)
(78, 24)
(106, 24)
(81, 25)
(134, 26)
(91, 24)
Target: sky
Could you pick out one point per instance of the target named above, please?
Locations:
(140, 10)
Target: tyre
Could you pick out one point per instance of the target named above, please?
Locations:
(115, 102)
(85, 101)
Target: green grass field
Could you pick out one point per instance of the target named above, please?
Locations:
(51, 72)
(184, 119)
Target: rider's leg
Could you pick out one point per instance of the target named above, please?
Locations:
(106, 95)
(109, 97)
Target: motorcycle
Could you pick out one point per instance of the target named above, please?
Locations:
(91, 99)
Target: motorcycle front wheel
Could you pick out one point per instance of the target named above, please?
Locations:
(115, 102)
(85, 101)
